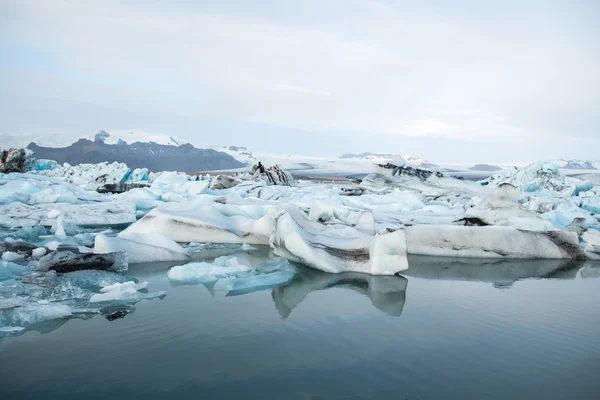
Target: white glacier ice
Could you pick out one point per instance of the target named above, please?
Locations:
(490, 242)
(337, 249)
(141, 247)
(207, 272)
(11, 256)
(123, 291)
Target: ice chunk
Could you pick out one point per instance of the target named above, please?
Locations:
(205, 272)
(247, 247)
(53, 245)
(127, 291)
(17, 215)
(12, 256)
(39, 252)
(60, 230)
(141, 247)
(541, 175)
(220, 182)
(52, 214)
(591, 243)
(70, 260)
(92, 279)
(337, 250)
(45, 165)
(490, 242)
(179, 183)
(501, 208)
(197, 221)
(32, 313)
(260, 282)
(89, 176)
(123, 285)
(275, 264)
(16, 160)
(9, 270)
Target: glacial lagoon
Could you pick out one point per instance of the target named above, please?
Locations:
(445, 328)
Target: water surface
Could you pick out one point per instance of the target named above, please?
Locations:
(454, 329)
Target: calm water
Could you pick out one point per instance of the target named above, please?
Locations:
(446, 329)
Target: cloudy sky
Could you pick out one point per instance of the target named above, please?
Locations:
(509, 81)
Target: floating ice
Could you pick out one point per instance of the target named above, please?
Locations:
(12, 256)
(39, 252)
(126, 291)
(259, 282)
(207, 272)
(141, 247)
(69, 260)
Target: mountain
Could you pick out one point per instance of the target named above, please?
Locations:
(130, 137)
(384, 157)
(578, 164)
(156, 157)
(485, 167)
(242, 154)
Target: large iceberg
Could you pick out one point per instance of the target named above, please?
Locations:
(491, 242)
(541, 175)
(341, 249)
(208, 221)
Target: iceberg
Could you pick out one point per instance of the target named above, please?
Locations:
(141, 247)
(501, 208)
(539, 176)
(70, 260)
(335, 250)
(126, 291)
(259, 282)
(199, 221)
(491, 242)
(206, 272)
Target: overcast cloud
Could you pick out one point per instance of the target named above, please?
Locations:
(477, 81)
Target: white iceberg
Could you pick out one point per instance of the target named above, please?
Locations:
(490, 242)
(141, 247)
(335, 250)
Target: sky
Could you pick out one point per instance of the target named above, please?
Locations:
(476, 81)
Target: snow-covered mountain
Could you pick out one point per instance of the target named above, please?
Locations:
(113, 137)
(578, 164)
(384, 157)
(242, 154)
(131, 137)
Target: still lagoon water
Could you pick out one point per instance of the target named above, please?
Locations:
(445, 329)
